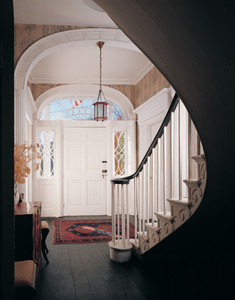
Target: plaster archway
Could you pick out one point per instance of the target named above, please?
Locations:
(53, 42)
(111, 94)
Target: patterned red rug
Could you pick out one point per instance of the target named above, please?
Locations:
(84, 231)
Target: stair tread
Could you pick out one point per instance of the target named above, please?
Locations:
(183, 202)
(194, 182)
(199, 158)
(191, 180)
(162, 215)
(152, 226)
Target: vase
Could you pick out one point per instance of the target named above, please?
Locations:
(16, 194)
(16, 198)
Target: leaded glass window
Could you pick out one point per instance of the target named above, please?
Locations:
(47, 162)
(119, 155)
(77, 108)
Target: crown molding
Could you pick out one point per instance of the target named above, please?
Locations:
(115, 81)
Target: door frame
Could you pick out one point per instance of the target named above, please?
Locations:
(57, 181)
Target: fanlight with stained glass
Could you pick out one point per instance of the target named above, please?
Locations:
(77, 108)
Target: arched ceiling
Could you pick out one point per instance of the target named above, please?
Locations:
(76, 63)
(81, 65)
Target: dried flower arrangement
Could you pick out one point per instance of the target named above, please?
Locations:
(26, 157)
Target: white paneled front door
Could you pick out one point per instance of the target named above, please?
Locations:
(84, 186)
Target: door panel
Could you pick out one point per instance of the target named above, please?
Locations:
(75, 195)
(94, 193)
(84, 187)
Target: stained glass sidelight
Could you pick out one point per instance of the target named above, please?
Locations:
(119, 155)
(46, 165)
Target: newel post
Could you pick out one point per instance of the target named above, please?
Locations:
(120, 247)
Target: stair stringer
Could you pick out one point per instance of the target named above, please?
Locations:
(181, 211)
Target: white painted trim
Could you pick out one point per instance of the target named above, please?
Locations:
(31, 101)
(73, 80)
(153, 107)
(77, 37)
(147, 68)
(113, 95)
(150, 116)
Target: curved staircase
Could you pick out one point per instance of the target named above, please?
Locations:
(166, 189)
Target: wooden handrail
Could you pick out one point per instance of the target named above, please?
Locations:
(126, 180)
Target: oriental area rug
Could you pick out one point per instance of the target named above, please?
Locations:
(84, 231)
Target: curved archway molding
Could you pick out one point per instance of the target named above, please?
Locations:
(111, 94)
(53, 42)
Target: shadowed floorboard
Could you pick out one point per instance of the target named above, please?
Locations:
(84, 271)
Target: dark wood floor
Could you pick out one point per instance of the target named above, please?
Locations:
(86, 272)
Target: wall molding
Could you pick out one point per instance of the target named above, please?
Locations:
(73, 80)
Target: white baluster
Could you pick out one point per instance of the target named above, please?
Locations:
(179, 153)
(147, 189)
(123, 215)
(150, 185)
(113, 214)
(141, 199)
(143, 202)
(138, 202)
(144, 196)
(154, 183)
(127, 217)
(164, 171)
(118, 212)
(157, 178)
(135, 206)
(172, 154)
(168, 183)
(161, 174)
(189, 145)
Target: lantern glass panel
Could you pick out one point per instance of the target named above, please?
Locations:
(100, 110)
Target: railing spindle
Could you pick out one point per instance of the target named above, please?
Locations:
(164, 171)
(147, 189)
(154, 183)
(189, 146)
(159, 176)
(157, 179)
(135, 206)
(123, 215)
(141, 201)
(179, 153)
(172, 153)
(118, 211)
(127, 216)
(113, 214)
(145, 196)
(167, 161)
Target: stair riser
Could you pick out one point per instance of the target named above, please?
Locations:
(180, 212)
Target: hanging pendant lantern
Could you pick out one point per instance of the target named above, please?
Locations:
(100, 106)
